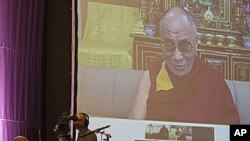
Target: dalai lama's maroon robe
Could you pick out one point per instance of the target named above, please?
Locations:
(200, 97)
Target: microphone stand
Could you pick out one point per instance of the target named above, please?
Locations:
(107, 135)
(96, 131)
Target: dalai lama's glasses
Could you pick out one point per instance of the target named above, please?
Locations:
(184, 47)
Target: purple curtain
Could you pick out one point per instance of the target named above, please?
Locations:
(21, 46)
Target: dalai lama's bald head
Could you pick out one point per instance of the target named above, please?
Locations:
(177, 19)
(178, 33)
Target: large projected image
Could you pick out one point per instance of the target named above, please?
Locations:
(187, 70)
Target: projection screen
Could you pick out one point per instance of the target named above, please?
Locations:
(114, 50)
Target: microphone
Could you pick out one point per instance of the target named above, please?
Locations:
(95, 131)
(73, 117)
(99, 129)
(106, 134)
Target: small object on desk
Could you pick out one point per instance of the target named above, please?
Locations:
(150, 30)
(231, 41)
(246, 42)
(220, 39)
(200, 37)
(209, 37)
(139, 27)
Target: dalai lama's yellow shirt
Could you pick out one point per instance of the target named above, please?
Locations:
(163, 81)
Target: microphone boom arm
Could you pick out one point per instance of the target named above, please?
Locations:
(94, 131)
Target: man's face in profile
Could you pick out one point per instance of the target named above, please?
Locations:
(178, 43)
(80, 122)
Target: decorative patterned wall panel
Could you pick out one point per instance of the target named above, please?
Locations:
(241, 68)
(233, 63)
(217, 62)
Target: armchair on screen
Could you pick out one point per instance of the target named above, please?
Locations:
(104, 36)
(117, 96)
